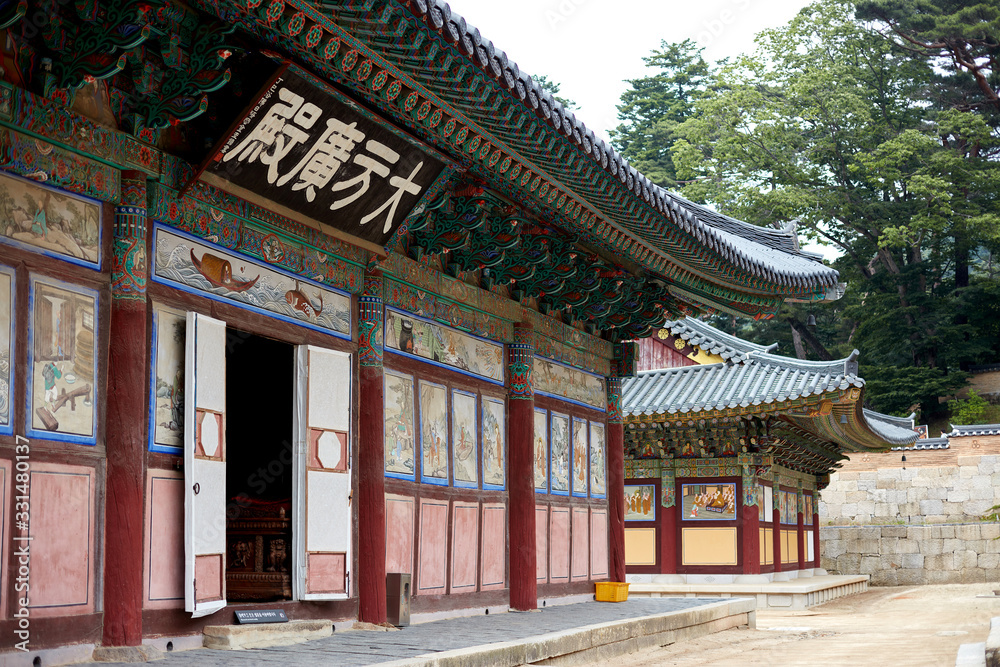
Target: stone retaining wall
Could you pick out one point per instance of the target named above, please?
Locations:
(912, 555)
(915, 525)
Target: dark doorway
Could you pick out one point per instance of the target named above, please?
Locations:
(260, 376)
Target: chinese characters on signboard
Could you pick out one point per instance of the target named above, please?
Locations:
(309, 150)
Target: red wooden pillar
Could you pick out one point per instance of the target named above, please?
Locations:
(126, 417)
(750, 523)
(616, 480)
(815, 539)
(776, 532)
(669, 546)
(371, 454)
(623, 365)
(800, 530)
(521, 474)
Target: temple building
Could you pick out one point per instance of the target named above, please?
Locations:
(727, 446)
(296, 295)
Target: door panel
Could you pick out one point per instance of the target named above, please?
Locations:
(322, 497)
(204, 465)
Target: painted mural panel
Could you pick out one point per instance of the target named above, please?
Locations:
(598, 470)
(640, 502)
(708, 502)
(581, 471)
(63, 361)
(6, 347)
(416, 337)
(399, 426)
(167, 401)
(433, 433)
(808, 514)
(184, 262)
(464, 439)
(494, 444)
(51, 221)
(541, 451)
(569, 383)
(560, 462)
(789, 507)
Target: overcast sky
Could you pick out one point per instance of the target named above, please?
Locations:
(590, 47)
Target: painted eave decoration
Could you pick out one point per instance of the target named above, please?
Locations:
(807, 414)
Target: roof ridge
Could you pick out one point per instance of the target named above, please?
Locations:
(694, 219)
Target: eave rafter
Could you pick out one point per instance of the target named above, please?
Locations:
(477, 232)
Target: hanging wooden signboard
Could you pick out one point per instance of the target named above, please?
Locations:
(306, 151)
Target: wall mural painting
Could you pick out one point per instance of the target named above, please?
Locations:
(464, 439)
(63, 362)
(443, 345)
(640, 502)
(541, 451)
(762, 506)
(789, 508)
(399, 426)
(188, 264)
(569, 383)
(494, 444)
(167, 401)
(580, 468)
(560, 461)
(433, 433)
(708, 502)
(52, 221)
(598, 471)
(807, 516)
(6, 347)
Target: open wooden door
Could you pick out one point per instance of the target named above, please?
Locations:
(322, 499)
(204, 465)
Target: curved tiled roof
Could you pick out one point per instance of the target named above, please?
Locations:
(927, 443)
(721, 386)
(895, 430)
(958, 431)
(769, 253)
(711, 340)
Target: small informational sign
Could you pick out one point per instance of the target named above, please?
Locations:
(261, 616)
(307, 151)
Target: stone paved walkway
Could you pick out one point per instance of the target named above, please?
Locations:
(373, 647)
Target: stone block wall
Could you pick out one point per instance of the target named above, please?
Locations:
(915, 525)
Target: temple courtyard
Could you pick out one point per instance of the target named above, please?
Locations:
(926, 625)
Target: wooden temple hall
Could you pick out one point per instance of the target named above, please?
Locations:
(294, 295)
(727, 446)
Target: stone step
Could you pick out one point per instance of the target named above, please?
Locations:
(971, 655)
(262, 635)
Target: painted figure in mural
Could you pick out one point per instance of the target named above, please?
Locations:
(39, 223)
(50, 373)
(688, 449)
(493, 453)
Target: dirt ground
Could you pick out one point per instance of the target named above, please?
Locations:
(884, 626)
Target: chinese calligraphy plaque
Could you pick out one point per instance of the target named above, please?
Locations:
(308, 150)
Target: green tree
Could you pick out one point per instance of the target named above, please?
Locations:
(655, 105)
(834, 126)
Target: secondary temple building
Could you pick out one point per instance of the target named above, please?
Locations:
(293, 296)
(727, 446)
